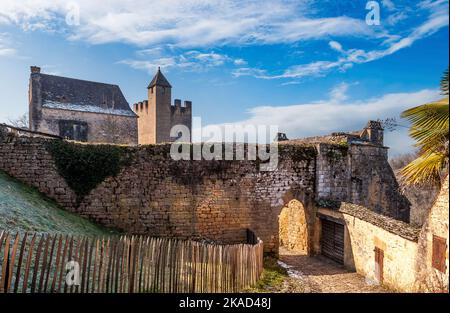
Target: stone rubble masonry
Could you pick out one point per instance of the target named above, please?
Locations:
(217, 200)
(293, 227)
(408, 249)
(101, 127)
(436, 224)
(362, 234)
(102, 107)
(360, 175)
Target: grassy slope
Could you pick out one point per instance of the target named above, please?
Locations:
(24, 209)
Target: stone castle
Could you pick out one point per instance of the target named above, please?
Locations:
(96, 112)
(157, 116)
(333, 195)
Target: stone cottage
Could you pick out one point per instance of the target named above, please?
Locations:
(96, 112)
(80, 110)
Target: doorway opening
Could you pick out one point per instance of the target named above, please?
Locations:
(293, 229)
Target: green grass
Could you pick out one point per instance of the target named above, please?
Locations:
(25, 209)
(272, 278)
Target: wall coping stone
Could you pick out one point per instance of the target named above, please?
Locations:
(402, 229)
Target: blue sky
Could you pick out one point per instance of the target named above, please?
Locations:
(310, 67)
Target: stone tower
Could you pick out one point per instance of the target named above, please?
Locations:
(373, 132)
(157, 115)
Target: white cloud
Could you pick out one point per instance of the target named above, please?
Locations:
(396, 17)
(339, 93)
(192, 60)
(209, 59)
(388, 4)
(240, 62)
(5, 46)
(6, 51)
(248, 71)
(317, 28)
(437, 20)
(335, 46)
(191, 23)
(150, 66)
(340, 114)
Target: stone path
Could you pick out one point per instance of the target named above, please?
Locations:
(319, 274)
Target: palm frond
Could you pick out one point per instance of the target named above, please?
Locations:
(429, 116)
(426, 169)
(430, 128)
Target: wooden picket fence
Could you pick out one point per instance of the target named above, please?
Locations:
(39, 263)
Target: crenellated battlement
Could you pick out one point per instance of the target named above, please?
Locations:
(181, 113)
(140, 107)
(181, 108)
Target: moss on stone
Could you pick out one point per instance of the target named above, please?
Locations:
(84, 166)
(297, 153)
(337, 152)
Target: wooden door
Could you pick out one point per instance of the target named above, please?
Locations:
(332, 240)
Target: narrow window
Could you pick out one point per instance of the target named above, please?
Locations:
(439, 249)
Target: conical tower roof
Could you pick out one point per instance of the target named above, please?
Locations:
(159, 80)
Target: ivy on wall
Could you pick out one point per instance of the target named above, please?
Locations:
(85, 166)
(337, 152)
(297, 153)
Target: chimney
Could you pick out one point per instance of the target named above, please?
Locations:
(373, 132)
(177, 102)
(35, 69)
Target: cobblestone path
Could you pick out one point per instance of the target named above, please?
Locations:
(319, 274)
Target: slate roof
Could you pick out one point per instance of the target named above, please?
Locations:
(159, 80)
(81, 95)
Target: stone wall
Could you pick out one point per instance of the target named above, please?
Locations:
(218, 200)
(102, 128)
(79, 109)
(182, 115)
(360, 174)
(407, 249)
(157, 196)
(365, 231)
(436, 224)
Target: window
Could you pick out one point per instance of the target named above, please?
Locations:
(439, 249)
(73, 130)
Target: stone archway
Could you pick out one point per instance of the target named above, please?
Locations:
(293, 229)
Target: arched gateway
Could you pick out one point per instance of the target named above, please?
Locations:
(293, 229)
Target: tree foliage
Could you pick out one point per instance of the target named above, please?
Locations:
(430, 129)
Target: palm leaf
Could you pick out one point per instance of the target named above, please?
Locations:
(428, 116)
(430, 128)
(425, 169)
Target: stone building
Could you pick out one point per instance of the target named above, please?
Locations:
(157, 116)
(80, 110)
(401, 256)
(333, 195)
